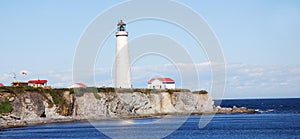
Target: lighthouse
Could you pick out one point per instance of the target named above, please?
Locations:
(122, 57)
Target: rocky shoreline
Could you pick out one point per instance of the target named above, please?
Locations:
(234, 109)
(10, 121)
(39, 106)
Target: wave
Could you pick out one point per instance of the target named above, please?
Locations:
(264, 111)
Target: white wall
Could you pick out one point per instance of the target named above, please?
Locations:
(170, 86)
(157, 84)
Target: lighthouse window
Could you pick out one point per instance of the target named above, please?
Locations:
(122, 28)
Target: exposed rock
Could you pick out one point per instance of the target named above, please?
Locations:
(17, 107)
(234, 109)
(33, 107)
(113, 105)
(88, 106)
(27, 101)
(11, 99)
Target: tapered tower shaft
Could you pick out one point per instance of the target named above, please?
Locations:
(122, 57)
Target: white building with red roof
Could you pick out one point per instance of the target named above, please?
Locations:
(38, 83)
(161, 83)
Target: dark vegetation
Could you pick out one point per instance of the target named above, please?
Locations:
(201, 92)
(5, 107)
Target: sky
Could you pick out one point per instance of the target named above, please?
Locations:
(259, 39)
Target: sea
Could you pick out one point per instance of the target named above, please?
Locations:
(273, 119)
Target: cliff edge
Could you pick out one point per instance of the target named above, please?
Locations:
(21, 106)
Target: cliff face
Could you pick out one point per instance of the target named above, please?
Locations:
(32, 106)
(111, 105)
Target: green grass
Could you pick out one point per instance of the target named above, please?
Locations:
(57, 96)
(31, 89)
(5, 107)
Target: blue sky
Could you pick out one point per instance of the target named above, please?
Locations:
(259, 39)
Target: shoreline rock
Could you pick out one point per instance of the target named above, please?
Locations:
(234, 109)
(9, 123)
(40, 107)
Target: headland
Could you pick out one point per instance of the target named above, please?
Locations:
(21, 106)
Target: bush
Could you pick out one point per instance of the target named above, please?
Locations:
(56, 97)
(31, 89)
(6, 89)
(201, 92)
(97, 96)
(78, 92)
(106, 89)
(5, 107)
(184, 90)
(72, 91)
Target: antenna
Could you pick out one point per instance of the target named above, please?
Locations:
(14, 76)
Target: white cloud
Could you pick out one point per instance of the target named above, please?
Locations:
(242, 80)
(261, 80)
(5, 79)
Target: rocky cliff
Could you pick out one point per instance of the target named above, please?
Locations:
(113, 105)
(31, 105)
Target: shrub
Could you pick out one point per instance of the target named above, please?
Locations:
(78, 91)
(184, 90)
(57, 97)
(106, 89)
(97, 96)
(6, 89)
(91, 89)
(5, 107)
(30, 88)
(72, 91)
(201, 92)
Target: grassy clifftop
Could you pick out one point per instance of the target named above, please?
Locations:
(8, 94)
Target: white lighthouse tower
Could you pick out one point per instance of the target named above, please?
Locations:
(122, 58)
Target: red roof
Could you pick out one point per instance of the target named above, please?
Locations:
(37, 81)
(1, 84)
(164, 80)
(81, 84)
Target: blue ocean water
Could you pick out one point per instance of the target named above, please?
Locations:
(288, 105)
(275, 118)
